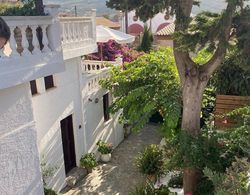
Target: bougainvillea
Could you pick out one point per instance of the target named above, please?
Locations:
(111, 50)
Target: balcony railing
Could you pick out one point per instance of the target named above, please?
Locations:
(78, 35)
(92, 66)
(33, 50)
(94, 71)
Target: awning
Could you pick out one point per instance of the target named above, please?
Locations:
(104, 34)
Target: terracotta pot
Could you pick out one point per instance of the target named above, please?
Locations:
(105, 157)
(89, 170)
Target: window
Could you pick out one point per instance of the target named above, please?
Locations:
(33, 87)
(105, 107)
(49, 82)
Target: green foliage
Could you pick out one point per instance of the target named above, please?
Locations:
(234, 181)
(47, 171)
(150, 161)
(147, 40)
(148, 189)
(49, 192)
(148, 84)
(188, 151)
(88, 161)
(104, 148)
(26, 8)
(232, 78)
(205, 187)
(176, 180)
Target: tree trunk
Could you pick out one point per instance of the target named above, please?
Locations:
(192, 98)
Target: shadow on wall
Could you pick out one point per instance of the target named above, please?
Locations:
(98, 129)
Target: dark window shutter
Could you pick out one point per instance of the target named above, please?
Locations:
(49, 82)
(33, 87)
(105, 107)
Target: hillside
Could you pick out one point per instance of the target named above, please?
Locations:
(83, 5)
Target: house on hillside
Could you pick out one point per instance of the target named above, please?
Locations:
(108, 23)
(52, 107)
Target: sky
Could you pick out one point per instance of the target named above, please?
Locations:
(83, 5)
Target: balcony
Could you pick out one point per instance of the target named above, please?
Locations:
(94, 71)
(34, 50)
(78, 35)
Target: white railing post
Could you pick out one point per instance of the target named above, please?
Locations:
(25, 43)
(35, 41)
(54, 30)
(13, 44)
(45, 39)
(119, 61)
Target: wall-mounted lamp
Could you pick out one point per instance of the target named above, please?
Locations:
(96, 100)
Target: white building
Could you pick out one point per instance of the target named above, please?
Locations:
(52, 108)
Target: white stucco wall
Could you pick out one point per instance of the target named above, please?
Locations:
(19, 159)
(95, 127)
(50, 107)
(156, 21)
(53, 105)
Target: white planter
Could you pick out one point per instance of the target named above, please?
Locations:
(105, 157)
(164, 181)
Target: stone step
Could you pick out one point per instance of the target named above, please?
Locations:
(75, 175)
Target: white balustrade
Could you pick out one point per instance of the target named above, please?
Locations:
(93, 66)
(93, 81)
(45, 39)
(24, 39)
(78, 37)
(33, 51)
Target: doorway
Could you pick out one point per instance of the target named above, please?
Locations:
(68, 142)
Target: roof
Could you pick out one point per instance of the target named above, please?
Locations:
(135, 29)
(167, 30)
(106, 22)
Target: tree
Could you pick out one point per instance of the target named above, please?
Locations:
(147, 40)
(140, 90)
(207, 30)
(124, 6)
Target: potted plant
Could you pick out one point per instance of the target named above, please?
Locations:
(150, 162)
(88, 161)
(105, 149)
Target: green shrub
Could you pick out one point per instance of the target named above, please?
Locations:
(104, 148)
(234, 181)
(176, 180)
(232, 78)
(147, 40)
(150, 161)
(26, 8)
(88, 161)
(148, 189)
(49, 192)
(205, 187)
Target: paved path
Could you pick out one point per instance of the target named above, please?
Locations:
(120, 175)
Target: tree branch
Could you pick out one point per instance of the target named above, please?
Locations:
(219, 55)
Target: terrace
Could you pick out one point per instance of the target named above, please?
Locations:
(39, 45)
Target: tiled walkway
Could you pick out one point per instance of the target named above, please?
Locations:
(120, 175)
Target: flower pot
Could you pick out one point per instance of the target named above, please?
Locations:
(105, 157)
(89, 170)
